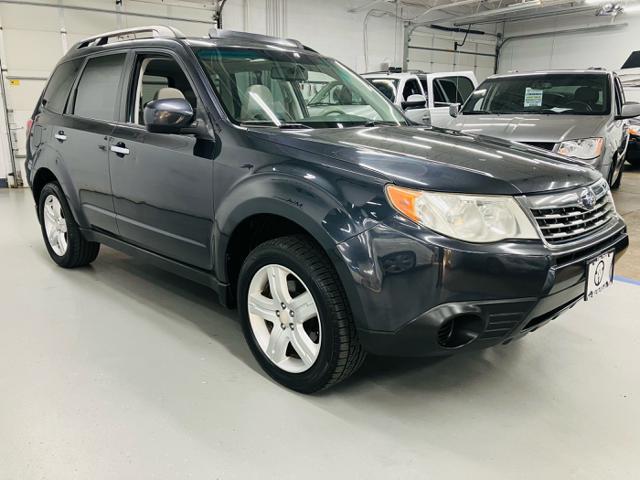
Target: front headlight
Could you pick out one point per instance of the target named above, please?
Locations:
(471, 218)
(584, 148)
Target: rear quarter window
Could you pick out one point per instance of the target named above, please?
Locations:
(57, 90)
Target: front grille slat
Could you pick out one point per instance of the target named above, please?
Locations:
(570, 221)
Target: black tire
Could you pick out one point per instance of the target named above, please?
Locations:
(612, 180)
(618, 181)
(79, 252)
(340, 353)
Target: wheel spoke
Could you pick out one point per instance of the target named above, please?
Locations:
(48, 213)
(264, 307)
(304, 346)
(304, 307)
(277, 347)
(278, 284)
(62, 241)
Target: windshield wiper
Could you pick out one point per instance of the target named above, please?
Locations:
(282, 125)
(293, 125)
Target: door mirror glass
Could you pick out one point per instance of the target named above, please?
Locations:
(414, 101)
(629, 110)
(454, 109)
(168, 115)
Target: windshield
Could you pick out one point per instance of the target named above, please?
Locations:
(568, 94)
(282, 88)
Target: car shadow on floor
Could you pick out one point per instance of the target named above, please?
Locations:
(199, 305)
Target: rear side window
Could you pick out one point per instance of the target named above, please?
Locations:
(57, 91)
(97, 94)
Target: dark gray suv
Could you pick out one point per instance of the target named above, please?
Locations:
(335, 233)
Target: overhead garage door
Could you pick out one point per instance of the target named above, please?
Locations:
(434, 50)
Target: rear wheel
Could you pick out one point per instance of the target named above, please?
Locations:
(65, 243)
(295, 315)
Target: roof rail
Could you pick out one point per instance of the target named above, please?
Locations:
(153, 31)
(284, 42)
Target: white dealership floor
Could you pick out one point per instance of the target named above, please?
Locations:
(123, 371)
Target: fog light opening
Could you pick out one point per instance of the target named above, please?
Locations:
(460, 330)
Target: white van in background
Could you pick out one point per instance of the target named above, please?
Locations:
(424, 97)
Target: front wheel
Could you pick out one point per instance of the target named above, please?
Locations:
(615, 174)
(295, 315)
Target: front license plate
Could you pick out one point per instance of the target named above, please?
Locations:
(599, 275)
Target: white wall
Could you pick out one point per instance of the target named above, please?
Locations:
(608, 47)
(325, 26)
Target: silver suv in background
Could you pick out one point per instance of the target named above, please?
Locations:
(575, 113)
(424, 97)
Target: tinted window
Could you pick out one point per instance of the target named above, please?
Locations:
(411, 87)
(569, 94)
(57, 92)
(452, 90)
(97, 94)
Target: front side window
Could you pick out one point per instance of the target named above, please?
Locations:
(568, 94)
(448, 90)
(387, 86)
(158, 78)
(57, 91)
(411, 87)
(98, 91)
(265, 87)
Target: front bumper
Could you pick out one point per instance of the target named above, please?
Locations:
(414, 293)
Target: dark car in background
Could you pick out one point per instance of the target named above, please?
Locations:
(576, 113)
(335, 232)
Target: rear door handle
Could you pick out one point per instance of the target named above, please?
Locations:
(60, 136)
(120, 149)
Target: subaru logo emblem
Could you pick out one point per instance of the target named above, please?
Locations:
(587, 199)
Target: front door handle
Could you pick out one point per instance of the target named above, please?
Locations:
(60, 136)
(120, 149)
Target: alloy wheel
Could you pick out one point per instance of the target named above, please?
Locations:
(55, 225)
(284, 318)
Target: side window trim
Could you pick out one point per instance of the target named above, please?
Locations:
(71, 101)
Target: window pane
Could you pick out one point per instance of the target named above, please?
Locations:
(97, 93)
(274, 87)
(57, 92)
(552, 93)
(161, 78)
(411, 87)
(454, 89)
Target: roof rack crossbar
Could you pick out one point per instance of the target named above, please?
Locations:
(284, 42)
(154, 31)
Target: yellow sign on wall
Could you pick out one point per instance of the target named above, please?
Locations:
(14, 82)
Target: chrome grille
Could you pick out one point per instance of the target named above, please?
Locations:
(563, 219)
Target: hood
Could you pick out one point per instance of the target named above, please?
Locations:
(531, 128)
(436, 159)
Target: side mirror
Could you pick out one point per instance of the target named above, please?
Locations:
(629, 110)
(168, 115)
(454, 109)
(414, 101)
